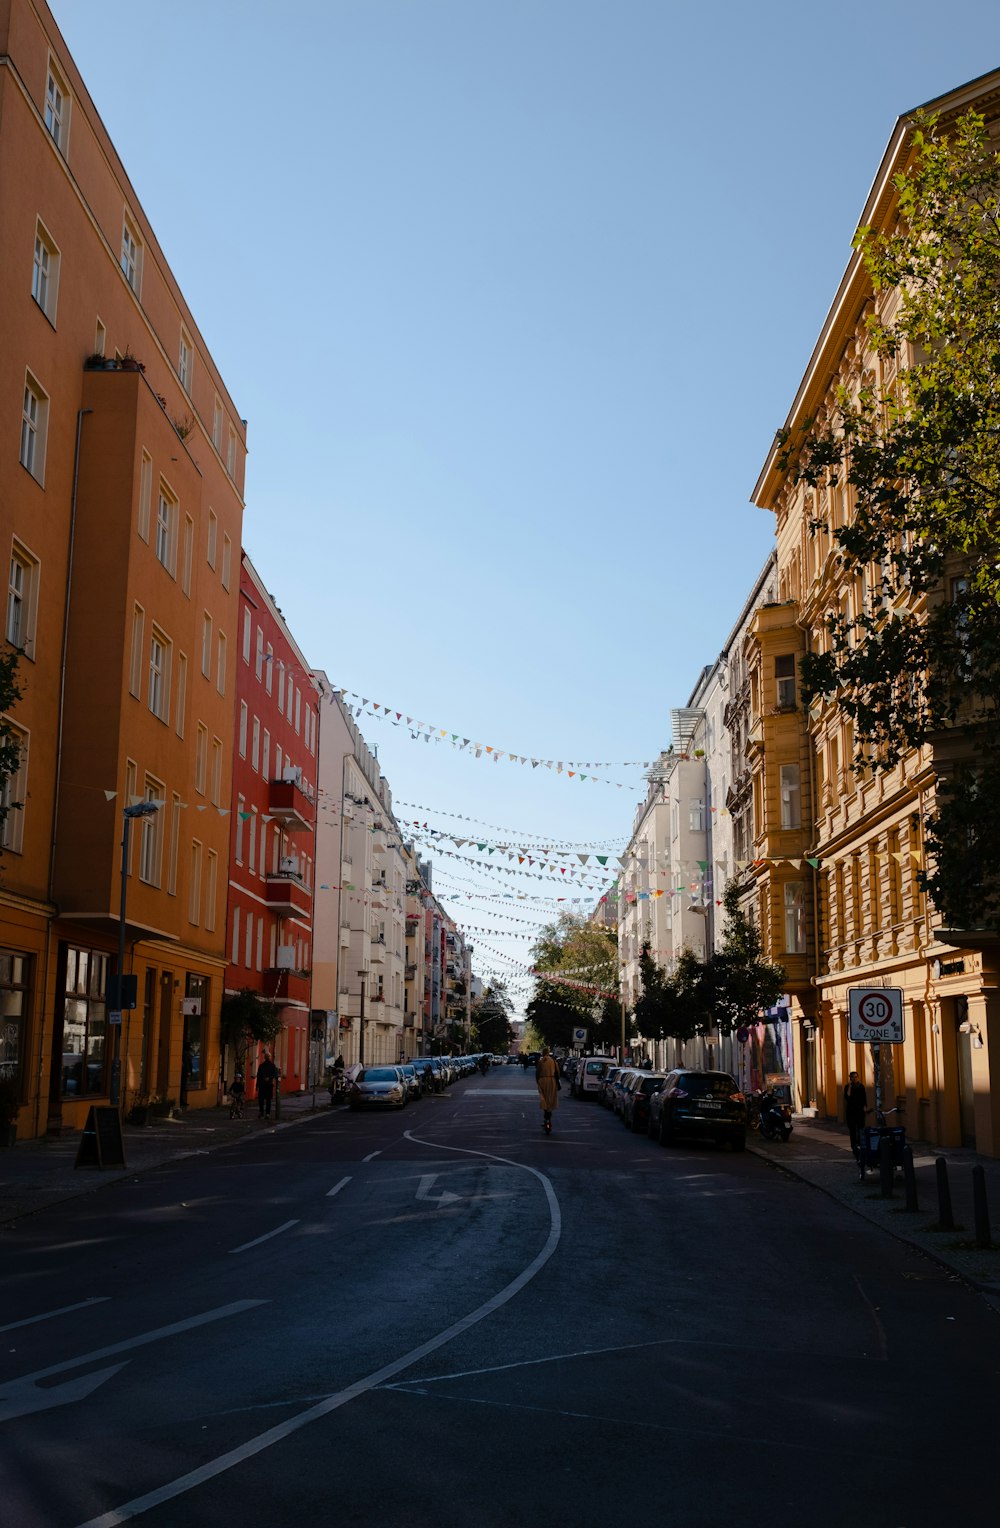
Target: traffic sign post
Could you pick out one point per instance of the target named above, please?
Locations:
(876, 1018)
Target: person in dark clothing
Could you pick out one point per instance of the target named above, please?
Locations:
(855, 1110)
(267, 1076)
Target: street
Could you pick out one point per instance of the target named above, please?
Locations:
(443, 1317)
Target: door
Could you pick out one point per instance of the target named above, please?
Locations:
(966, 1095)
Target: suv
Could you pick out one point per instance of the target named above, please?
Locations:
(699, 1104)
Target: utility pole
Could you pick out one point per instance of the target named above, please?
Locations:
(361, 1033)
(117, 994)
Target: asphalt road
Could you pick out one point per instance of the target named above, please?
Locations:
(442, 1317)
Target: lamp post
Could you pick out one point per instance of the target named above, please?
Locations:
(138, 809)
(361, 1032)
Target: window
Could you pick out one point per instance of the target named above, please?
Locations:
(194, 886)
(201, 758)
(246, 636)
(265, 760)
(220, 669)
(57, 103)
(298, 711)
(188, 555)
(255, 745)
(252, 856)
(213, 537)
(151, 841)
(784, 676)
(100, 338)
(795, 918)
(131, 257)
(217, 426)
(231, 453)
(211, 889)
(227, 559)
(241, 817)
(269, 668)
(185, 361)
(236, 937)
(696, 817)
(85, 1022)
(165, 535)
(145, 494)
(175, 839)
(45, 273)
(206, 644)
(281, 686)
(248, 961)
(260, 944)
(182, 679)
(138, 647)
(22, 596)
(13, 794)
(159, 675)
(34, 428)
(790, 796)
(243, 729)
(216, 771)
(259, 654)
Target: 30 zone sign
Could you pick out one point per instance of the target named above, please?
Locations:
(876, 1015)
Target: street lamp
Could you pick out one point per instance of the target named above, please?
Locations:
(138, 809)
(361, 1032)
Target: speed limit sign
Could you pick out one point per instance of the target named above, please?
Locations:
(876, 1015)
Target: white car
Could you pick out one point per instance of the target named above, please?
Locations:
(587, 1082)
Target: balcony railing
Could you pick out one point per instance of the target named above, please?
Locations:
(287, 895)
(289, 804)
(287, 986)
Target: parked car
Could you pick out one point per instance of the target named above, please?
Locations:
(608, 1081)
(378, 1087)
(699, 1104)
(619, 1086)
(587, 1082)
(414, 1085)
(635, 1107)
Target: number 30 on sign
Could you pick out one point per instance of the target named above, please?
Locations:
(876, 1015)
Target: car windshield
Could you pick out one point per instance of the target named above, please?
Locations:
(379, 1074)
(650, 1084)
(708, 1084)
(596, 1068)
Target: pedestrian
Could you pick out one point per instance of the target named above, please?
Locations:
(855, 1111)
(548, 1085)
(267, 1076)
(237, 1092)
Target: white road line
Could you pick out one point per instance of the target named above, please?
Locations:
(273, 1435)
(337, 1187)
(372, 1155)
(62, 1311)
(266, 1237)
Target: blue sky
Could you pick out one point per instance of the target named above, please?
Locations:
(514, 294)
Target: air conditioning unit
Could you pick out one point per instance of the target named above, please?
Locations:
(289, 864)
(286, 957)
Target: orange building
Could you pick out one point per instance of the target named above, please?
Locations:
(121, 475)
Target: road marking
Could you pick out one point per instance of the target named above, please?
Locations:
(21, 1396)
(49, 1314)
(266, 1237)
(424, 1187)
(372, 1155)
(277, 1434)
(337, 1187)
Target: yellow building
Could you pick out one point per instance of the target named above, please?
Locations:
(841, 901)
(121, 480)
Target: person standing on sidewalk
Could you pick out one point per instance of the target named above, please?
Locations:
(855, 1111)
(267, 1076)
(547, 1083)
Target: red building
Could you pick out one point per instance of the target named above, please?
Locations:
(272, 851)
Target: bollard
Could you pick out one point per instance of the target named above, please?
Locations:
(981, 1208)
(886, 1166)
(946, 1220)
(910, 1179)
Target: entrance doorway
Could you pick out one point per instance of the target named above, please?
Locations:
(966, 1095)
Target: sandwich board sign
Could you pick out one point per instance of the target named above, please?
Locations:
(875, 1015)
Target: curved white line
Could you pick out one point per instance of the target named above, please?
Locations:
(265, 1440)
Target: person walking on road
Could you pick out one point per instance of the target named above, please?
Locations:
(548, 1085)
(855, 1111)
(267, 1076)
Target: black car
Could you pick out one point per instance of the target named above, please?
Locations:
(635, 1103)
(701, 1104)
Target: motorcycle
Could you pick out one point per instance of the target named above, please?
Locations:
(772, 1117)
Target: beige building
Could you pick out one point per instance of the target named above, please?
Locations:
(839, 890)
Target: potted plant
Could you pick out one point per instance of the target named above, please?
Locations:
(130, 362)
(10, 1108)
(96, 362)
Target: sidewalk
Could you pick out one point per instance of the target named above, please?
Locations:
(37, 1174)
(820, 1154)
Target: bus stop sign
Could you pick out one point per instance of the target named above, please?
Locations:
(876, 1015)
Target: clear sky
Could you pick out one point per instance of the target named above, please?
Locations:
(513, 294)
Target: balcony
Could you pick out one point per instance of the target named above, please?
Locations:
(288, 803)
(283, 986)
(410, 970)
(286, 893)
(378, 950)
(378, 840)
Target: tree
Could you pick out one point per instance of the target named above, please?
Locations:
(248, 1019)
(741, 982)
(491, 1017)
(10, 741)
(916, 450)
(586, 954)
